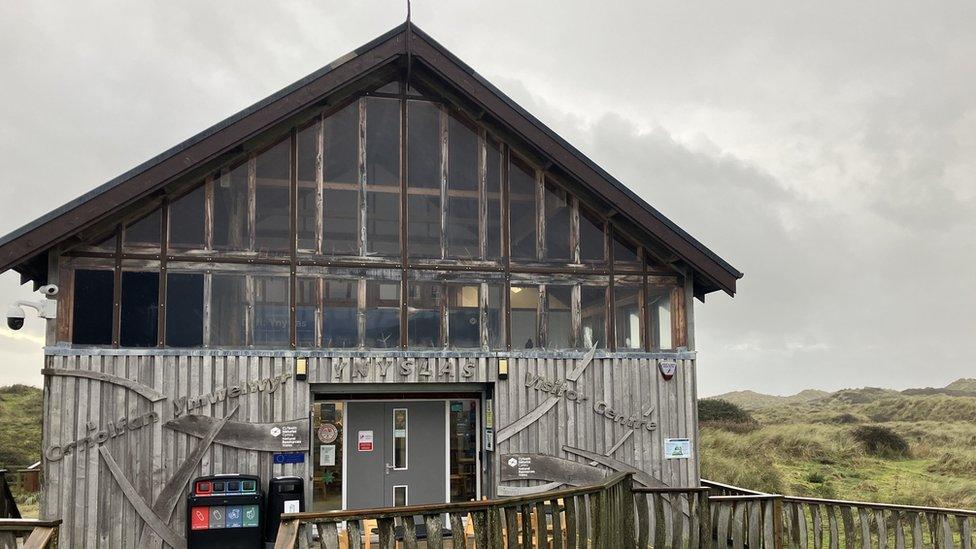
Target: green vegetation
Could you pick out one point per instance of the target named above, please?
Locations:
(913, 447)
(20, 425)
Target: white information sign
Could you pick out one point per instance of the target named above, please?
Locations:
(327, 455)
(677, 448)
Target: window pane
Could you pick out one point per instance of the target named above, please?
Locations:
(496, 316)
(400, 438)
(525, 316)
(593, 310)
(184, 310)
(93, 305)
(559, 319)
(462, 188)
(624, 252)
(626, 313)
(230, 223)
(382, 314)
(340, 319)
(464, 450)
(383, 176)
(186, 220)
(144, 232)
(140, 310)
(557, 223)
(228, 310)
(306, 311)
(592, 238)
(307, 145)
(463, 328)
(341, 193)
(272, 196)
(424, 179)
(400, 496)
(659, 313)
(272, 317)
(493, 193)
(522, 210)
(424, 316)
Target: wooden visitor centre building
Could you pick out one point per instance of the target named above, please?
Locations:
(387, 279)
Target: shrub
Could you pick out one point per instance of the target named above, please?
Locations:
(815, 477)
(715, 409)
(881, 441)
(845, 419)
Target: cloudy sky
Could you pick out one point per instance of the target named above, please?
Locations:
(826, 149)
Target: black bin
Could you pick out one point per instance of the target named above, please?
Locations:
(285, 495)
(225, 511)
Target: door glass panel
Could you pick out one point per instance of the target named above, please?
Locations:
(400, 438)
(327, 456)
(464, 450)
(400, 496)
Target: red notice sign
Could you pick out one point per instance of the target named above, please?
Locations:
(365, 441)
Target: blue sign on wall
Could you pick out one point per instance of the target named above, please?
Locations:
(290, 457)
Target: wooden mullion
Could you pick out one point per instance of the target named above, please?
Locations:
(482, 194)
(207, 297)
(404, 213)
(117, 290)
(483, 316)
(574, 229)
(645, 318)
(252, 176)
(208, 213)
(445, 174)
(576, 309)
(163, 255)
(249, 310)
(610, 321)
(293, 248)
(540, 215)
(542, 326)
(361, 311)
(361, 164)
(506, 245)
(319, 186)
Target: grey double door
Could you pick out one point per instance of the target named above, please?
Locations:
(396, 453)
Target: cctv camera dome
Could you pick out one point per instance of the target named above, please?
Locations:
(15, 317)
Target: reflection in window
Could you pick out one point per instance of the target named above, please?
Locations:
(382, 314)
(186, 220)
(307, 146)
(496, 316)
(659, 317)
(592, 237)
(144, 232)
(400, 438)
(626, 314)
(140, 309)
(306, 311)
(230, 220)
(557, 222)
(462, 190)
(463, 328)
(624, 252)
(424, 314)
(493, 195)
(94, 293)
(464, 450)
(593, 312)
(522, 198)
(340, 317)
(383, 176)
(525, 316)
(272, 317)
(228, 310)
(184, 309)
(271, 198)
(424, 179)
(559, 318)
(340, 202)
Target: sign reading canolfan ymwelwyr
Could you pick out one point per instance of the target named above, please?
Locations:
(98, 435)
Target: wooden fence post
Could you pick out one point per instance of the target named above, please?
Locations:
(627, 508)
(778, 522)
(704, 519)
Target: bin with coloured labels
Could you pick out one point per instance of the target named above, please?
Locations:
(225, 511)
(285, 495)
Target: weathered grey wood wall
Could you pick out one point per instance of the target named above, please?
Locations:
(86, 391)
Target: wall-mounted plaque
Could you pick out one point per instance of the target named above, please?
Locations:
(677, 448)
(327, 433)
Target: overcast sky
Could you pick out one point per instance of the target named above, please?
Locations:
(825, 149)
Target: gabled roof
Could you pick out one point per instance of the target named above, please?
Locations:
(23, 248)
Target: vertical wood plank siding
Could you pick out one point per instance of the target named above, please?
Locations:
(81, 490)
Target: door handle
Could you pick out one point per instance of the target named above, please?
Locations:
(388, 467)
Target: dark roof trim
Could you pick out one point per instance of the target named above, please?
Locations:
(74, 216)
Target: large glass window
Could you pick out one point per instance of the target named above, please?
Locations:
(145, 231)
(626, 314)
(592, 237)
(383, 176)
(593, 315)
(462, 191)
(184, 309)
(559, 316)
(340, 316)
(496, 316)
(558, 233)
(231, 225)
(272, 319)
(340, 201)
(228, 310)
(522, 210)
(140, 309)
(424, 179)
(272, 196)
(659, 316)
(493, 196)
(92, 310)
(525, 316)
(624, 253)
(463, 327)
(307, 145)
(382, 314)
(187, 219)
(424, 314)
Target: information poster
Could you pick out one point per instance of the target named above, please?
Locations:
(677, 448)
(327, 455)
(365, 441)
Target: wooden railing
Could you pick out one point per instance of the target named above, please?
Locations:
(36, 534)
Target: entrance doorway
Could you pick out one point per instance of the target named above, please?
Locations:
(383, 453)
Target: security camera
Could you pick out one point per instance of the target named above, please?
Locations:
(50, 290)
(15, 317)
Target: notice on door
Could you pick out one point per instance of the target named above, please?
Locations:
(328, 455)
(365, 441)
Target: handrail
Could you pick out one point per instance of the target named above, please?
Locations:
(731, 488)
(41, 533)
(880, 506)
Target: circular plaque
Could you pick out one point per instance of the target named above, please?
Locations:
(327, 433)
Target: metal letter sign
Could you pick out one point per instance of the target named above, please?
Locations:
(668, 367)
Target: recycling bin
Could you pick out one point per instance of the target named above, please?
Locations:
(285, 495)
(225, 511)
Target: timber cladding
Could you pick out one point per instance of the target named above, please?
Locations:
(124, 432)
